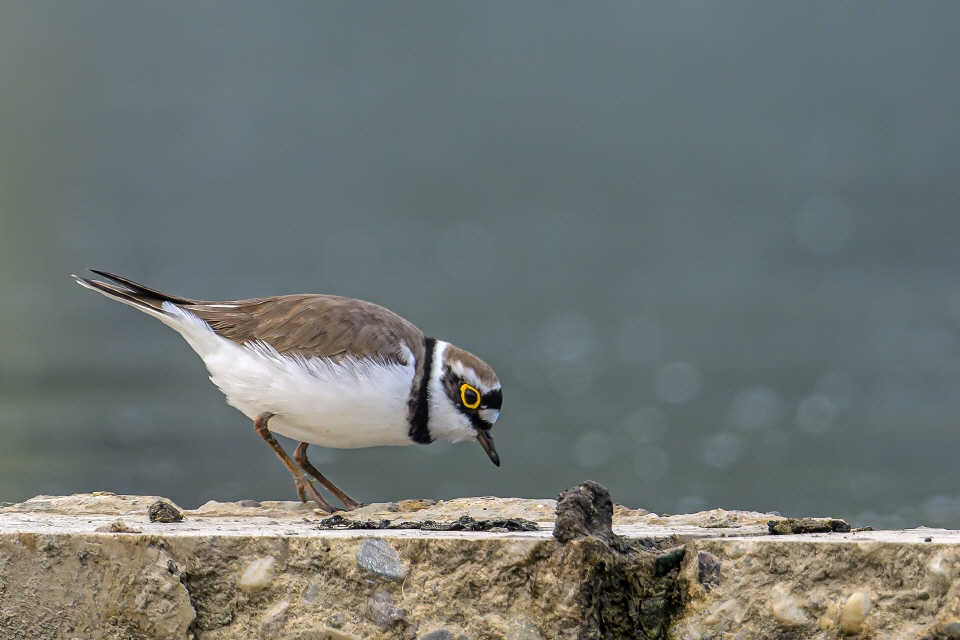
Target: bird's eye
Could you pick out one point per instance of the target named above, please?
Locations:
(469, 396)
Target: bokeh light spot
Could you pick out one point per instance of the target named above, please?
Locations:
(755, 408)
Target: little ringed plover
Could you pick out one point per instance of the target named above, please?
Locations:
(330, 371)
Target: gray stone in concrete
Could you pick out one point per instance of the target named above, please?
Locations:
(384, 610)
(376, 556)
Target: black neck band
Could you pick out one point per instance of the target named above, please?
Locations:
(421, 412)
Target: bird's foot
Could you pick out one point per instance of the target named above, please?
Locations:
(350, 504)
(305, 488)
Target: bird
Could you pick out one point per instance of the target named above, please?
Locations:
(328, 370)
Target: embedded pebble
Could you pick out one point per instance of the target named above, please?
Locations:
(383, 610)
(376, 556)
(274, 620)
(311, 594)
(854, 610)
(708, 571)
(258, 574)
(940, 565)
(785, 609)
(952, 630)
(439, 634)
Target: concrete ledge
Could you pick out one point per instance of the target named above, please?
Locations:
(95, 566)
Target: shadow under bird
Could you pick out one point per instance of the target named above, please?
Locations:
(330, 371)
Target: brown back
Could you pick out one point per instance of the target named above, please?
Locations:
(315, 325)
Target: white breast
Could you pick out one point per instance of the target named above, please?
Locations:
(345, 405)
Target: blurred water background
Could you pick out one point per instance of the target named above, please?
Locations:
(710, 248)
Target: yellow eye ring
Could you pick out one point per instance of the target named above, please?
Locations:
(464, 390)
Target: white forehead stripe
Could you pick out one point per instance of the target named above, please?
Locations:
(470, 375)
(462, 371)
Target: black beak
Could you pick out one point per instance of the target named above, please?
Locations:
(486, 441)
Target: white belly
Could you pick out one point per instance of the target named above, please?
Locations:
(346, 405)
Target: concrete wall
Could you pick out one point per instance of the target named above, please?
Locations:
(96, 566)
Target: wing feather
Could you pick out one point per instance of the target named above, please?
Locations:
(319, 326)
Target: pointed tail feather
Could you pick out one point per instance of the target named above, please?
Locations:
(143, 298)
(142, 290)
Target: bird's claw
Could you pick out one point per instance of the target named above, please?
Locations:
(304, 487)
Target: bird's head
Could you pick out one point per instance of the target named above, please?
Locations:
(465, 398)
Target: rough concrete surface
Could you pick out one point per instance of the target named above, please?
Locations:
(96, 566)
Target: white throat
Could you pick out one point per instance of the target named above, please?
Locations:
(446, 421)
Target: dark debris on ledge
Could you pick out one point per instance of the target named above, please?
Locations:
(463, 523)
(789, 526)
